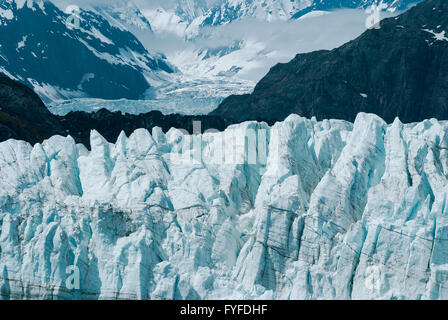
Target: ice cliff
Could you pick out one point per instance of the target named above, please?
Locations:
(335, 211)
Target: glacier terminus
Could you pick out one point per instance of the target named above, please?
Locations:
(334, 210)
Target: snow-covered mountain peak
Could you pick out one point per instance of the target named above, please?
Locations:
(31, 4)
(125, 14)
(259, 9)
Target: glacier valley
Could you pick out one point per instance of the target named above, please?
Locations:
(324, 210)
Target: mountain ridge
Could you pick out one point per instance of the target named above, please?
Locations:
(396, 70)
(66, 55)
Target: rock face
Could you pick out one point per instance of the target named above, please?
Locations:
(322, 210)
(23, 115)
(79, 54)
(397, 70)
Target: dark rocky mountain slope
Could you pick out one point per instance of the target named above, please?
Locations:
(399, 70)
(23, 115)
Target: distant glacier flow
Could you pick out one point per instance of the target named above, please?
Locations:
(299, 210)
(215, 49)
(180, 95)
(226, 60)
(165, 106)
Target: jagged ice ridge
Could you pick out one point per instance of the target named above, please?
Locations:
(338, 211)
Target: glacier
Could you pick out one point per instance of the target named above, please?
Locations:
(175, 94)
(324, 210)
